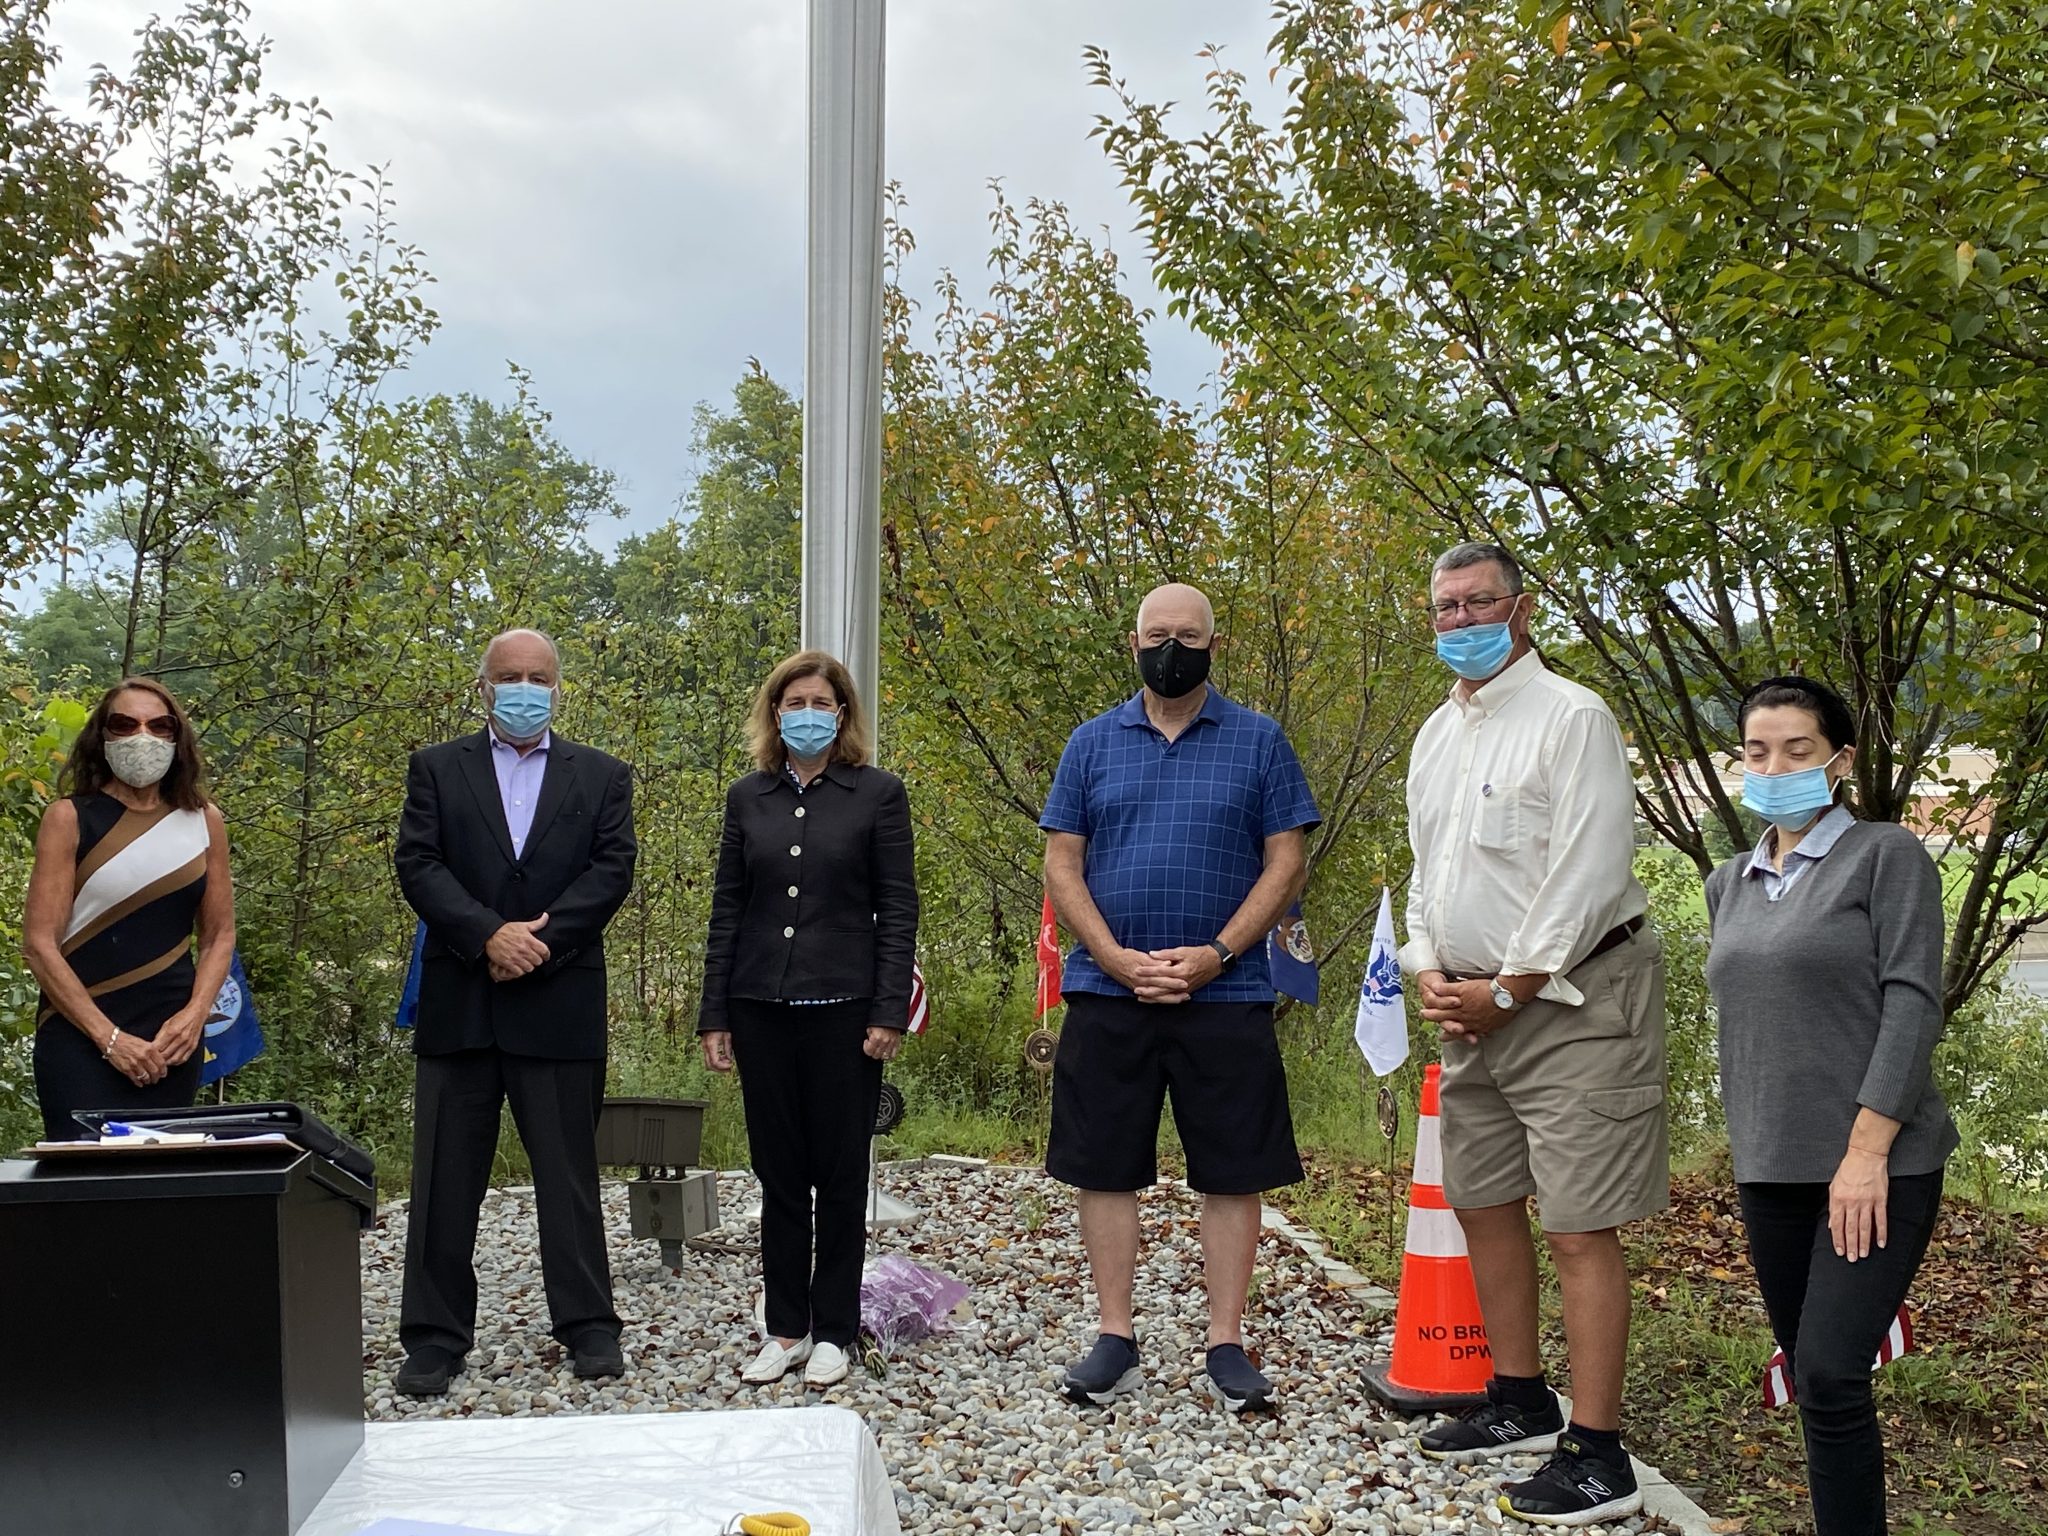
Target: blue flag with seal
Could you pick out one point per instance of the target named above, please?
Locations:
(232, 1038)
(409, 999)
(1292, 959)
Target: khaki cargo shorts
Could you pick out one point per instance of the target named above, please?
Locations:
(1567, 1104)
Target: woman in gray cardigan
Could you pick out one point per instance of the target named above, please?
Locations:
(1826, 973)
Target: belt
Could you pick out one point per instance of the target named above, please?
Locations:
(1611, 939)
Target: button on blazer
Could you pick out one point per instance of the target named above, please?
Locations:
(816, 895)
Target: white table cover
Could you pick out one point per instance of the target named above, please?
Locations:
(641, 1474)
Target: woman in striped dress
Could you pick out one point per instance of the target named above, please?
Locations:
(128, 864)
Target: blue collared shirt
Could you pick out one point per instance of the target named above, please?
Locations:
(1177, 830)
(519, 780)
(1813, 847)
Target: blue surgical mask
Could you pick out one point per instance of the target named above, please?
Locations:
(522, 710)
(1789, 800)
(809, 733)
(1476, 652)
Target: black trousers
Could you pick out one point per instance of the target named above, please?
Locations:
(555, 1105)
(1829, 1317)
(810, 1092)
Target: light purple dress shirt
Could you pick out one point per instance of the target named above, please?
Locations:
(519, 785)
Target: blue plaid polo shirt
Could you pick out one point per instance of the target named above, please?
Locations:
(1176, 830)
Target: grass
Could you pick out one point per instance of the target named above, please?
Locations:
(1965, 1416)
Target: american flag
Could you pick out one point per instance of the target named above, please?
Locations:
(1898, 1340)
(920, 1004)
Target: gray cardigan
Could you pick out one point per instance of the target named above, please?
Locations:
(1830, 999)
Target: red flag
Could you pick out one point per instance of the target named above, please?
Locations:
(1897, 1341)
(1048, 959)
(920, 1002)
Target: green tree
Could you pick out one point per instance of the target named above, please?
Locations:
(1489, 256)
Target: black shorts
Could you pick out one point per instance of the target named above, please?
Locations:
(1119, 1058)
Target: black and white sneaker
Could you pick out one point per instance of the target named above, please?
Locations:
(1574, 1487)
(1110, 1371)
(1237, 1383)
(1495, 1428)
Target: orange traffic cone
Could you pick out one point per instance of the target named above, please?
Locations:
(1441, 1359)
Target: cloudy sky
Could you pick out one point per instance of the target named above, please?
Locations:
(611, 194)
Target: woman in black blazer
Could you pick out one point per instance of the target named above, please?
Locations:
(807, 988)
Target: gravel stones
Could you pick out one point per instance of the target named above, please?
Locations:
(971, 1424)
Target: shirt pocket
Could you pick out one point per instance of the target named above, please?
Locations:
(1497, 817)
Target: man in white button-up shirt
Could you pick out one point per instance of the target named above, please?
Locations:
(1529, 944)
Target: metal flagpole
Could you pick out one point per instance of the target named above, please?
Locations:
(843, 341)
(842, 598)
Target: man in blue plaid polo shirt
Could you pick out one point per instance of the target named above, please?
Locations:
(1176, 839)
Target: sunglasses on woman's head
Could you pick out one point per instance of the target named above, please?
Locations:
(163, 727)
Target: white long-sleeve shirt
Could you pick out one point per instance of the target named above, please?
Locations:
(1521, 814)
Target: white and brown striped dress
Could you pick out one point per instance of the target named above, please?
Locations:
(135, 902)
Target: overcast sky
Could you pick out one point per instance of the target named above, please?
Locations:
(611, 194)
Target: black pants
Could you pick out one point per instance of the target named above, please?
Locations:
(1829, 1317)
(555, 1104)
(810, 1092)
(71, 1074)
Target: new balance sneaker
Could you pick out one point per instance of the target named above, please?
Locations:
(1110, 1371)
(1495, 1428)
(1574, 1487)
(1237, 1383)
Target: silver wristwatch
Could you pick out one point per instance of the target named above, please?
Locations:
(1503, 999)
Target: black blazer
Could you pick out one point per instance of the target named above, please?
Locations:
(456, 868)
(816, 895)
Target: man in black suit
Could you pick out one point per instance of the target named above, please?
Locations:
(515, 847)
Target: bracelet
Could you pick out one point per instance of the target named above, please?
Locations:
(107, 1054)
(1872, 1151)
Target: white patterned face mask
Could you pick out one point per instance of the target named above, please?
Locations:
(140, 760)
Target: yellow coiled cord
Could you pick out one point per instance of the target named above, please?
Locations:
(781, 1523)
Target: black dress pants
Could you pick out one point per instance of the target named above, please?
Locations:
(457, 1098)
(810, 1092)
(1830, 1316)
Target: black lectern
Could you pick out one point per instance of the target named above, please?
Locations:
(182, 1339)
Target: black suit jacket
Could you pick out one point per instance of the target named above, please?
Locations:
(456, 868)
(816, 895)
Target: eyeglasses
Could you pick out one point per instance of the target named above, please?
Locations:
(1481, 608)
(162, 727)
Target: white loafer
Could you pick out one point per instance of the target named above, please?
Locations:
(828, 1366)
(777, 1360)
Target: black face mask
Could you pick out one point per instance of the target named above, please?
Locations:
(1171, 669)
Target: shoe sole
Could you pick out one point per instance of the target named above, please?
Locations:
(602, 1373)
(418, 1388)
(1534, 1445)
(829, 1381)
(1129, 1382)
(1256, 1402)
(1613, 1509)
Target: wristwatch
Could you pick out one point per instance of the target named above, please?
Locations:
(1503, 999)
(1223, 953)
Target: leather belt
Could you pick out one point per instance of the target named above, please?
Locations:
(1611, 939)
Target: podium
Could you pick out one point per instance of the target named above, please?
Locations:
(183, 1339)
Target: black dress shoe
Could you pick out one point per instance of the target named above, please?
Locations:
(597, 1354)
(427, 1371)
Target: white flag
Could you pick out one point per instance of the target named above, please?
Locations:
(1382, 1029)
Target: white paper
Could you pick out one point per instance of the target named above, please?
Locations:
(423, 1528)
